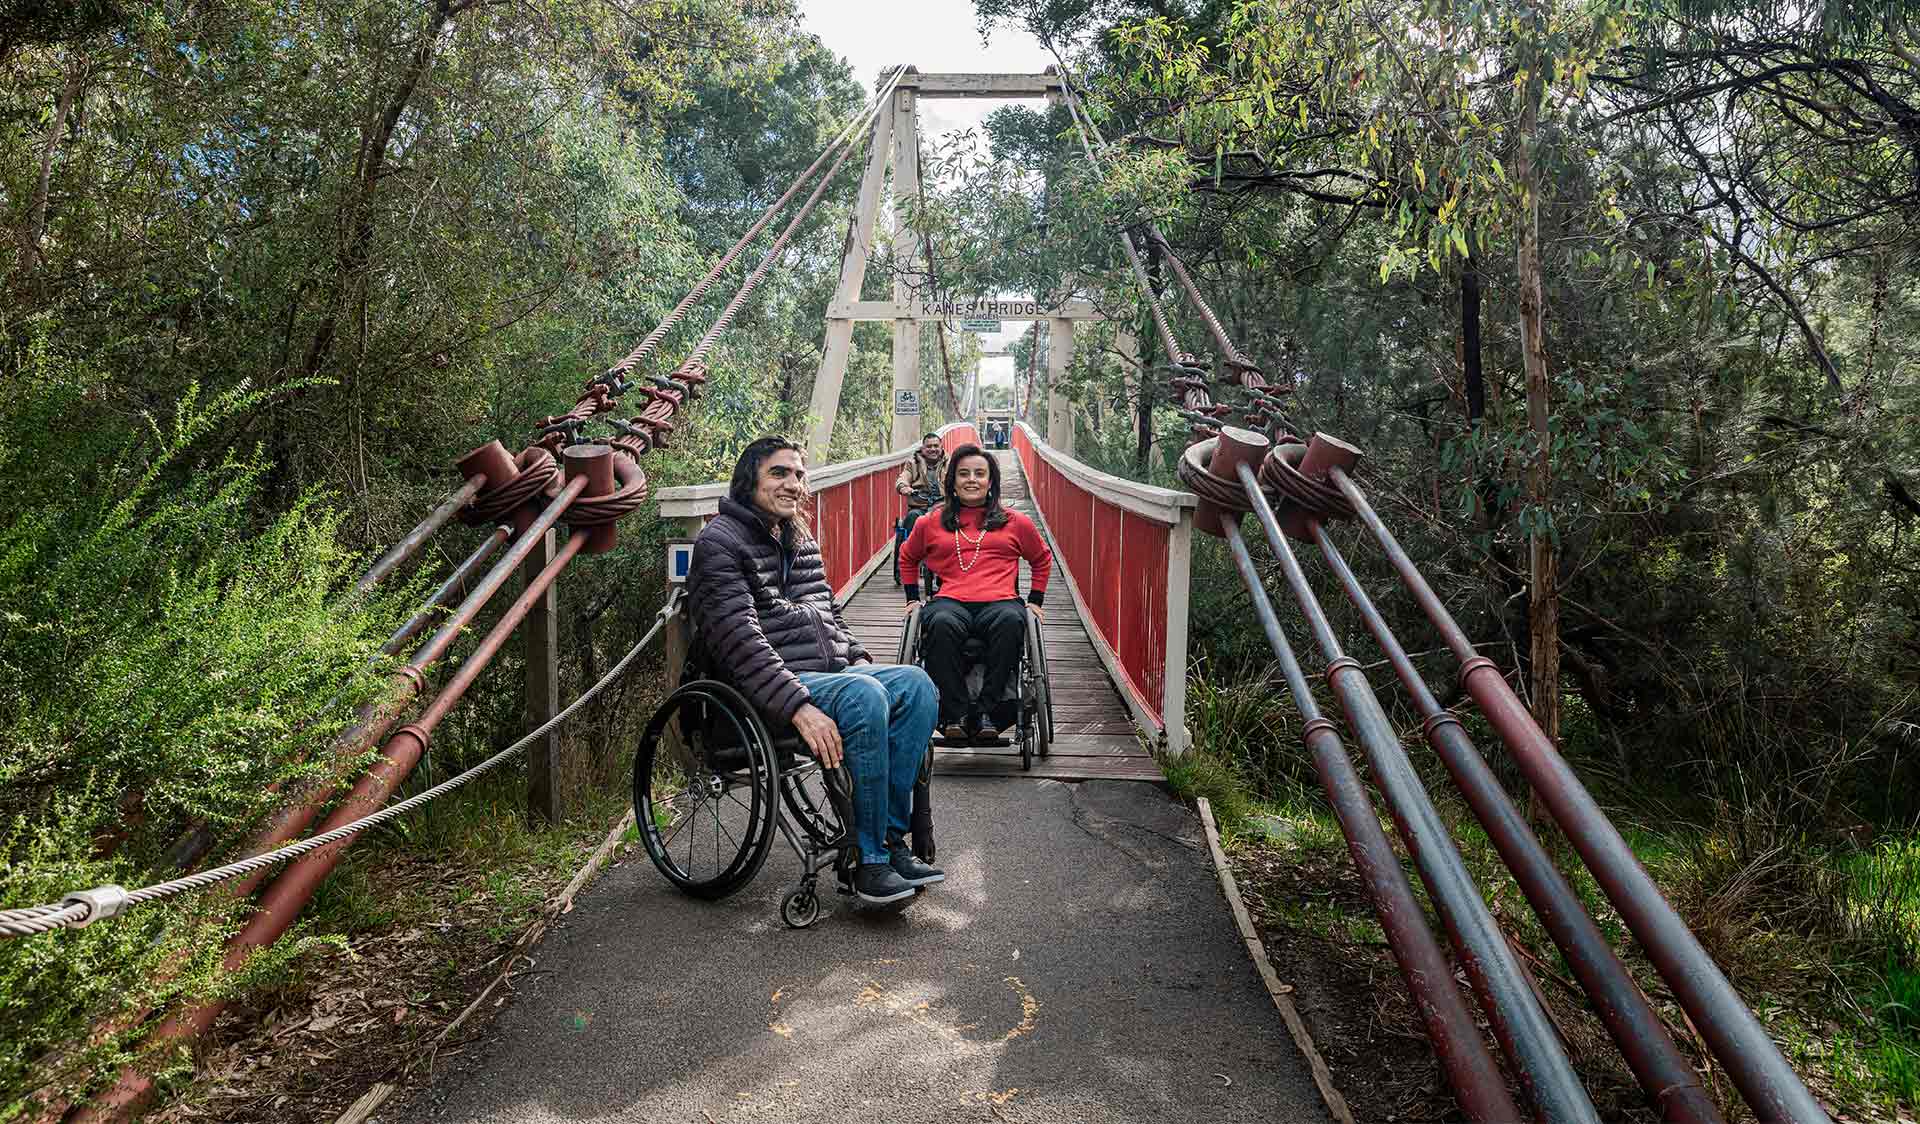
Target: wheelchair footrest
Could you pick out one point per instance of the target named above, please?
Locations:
(984, 741)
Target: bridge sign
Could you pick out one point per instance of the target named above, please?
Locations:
(679, 560)
(979, 325)
(906, 403)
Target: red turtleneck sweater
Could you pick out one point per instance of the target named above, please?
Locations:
(988, 570)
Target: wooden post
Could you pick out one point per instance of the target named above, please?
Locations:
(541, 628)
(1173, 697)
(853, 273)
(679, 633)
(1059, 409)
(906, 330)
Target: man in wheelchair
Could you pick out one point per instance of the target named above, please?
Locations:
(973, 548)
(920, 480)
(758, 593)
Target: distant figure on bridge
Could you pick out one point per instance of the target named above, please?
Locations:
(927, 470)
(974, 548)
(759, 597)
(920, 480)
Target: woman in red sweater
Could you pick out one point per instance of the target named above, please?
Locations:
(974, 547)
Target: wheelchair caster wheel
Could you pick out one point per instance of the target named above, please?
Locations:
(800, 908)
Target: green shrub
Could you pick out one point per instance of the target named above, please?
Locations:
(168, 655)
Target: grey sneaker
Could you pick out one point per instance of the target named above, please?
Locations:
(911, 870)
(877, 884)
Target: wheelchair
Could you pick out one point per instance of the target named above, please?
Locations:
(1028, 686)
(920, 503)
(713, 783)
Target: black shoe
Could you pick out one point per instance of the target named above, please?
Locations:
(911, 870)
(878, 884)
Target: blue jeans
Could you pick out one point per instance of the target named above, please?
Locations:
(885, 715)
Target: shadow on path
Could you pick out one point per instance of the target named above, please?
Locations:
(1078, 964)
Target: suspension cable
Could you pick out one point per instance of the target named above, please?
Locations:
(85, 907)
(1168, 345)
(1263, 406)
(616, 374)
(700, 350)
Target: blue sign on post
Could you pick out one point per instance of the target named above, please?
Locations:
(679, 560)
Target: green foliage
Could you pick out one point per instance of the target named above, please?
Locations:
(171, 660)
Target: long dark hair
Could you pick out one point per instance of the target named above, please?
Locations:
(996, 516)
(746, 478)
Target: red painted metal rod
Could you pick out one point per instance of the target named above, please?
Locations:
(1476, 1080)
(456, 582)
(1758, 1069)
(374, 719)
(280, 905)
(193, 845)
(406, 548)
(1507, 998)
(1670, 1083)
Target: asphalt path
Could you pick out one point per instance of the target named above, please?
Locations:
(1079, 964)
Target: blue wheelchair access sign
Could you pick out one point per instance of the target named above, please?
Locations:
(679, 560)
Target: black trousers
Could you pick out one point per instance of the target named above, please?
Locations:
(946, 624)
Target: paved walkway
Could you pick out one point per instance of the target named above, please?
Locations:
(1079, 965)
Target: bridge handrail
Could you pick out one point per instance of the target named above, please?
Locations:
(1135, 603)
(854, 536)
(1162, 505)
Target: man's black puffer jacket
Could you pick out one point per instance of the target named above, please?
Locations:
(758, 625)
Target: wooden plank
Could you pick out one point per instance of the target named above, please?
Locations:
(1050, 768)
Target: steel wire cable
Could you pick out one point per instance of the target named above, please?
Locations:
(1161, 328)
(850, 129)
(698, 356)
(76, 913)
(1201, 412)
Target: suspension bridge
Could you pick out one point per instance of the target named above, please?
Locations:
(1082, 962)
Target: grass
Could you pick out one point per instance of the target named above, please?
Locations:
(1821, 939)
(480, 844)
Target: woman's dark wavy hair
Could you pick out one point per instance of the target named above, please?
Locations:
(746, 471)
(996, 516)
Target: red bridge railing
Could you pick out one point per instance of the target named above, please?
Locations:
(1124, 550)
(854, 509)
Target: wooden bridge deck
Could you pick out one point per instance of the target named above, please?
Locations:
(1094, 736)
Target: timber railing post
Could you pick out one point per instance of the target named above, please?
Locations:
(1173, 707)
(542, 639)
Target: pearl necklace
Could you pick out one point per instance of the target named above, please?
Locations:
(959, 552)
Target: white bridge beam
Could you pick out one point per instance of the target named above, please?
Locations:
(963, 310)
(983, 85)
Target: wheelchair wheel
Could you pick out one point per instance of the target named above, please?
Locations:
(800, 908)
(910, 640)
(1042, 691)
(704, 800)
(922, 819)
(813, 806)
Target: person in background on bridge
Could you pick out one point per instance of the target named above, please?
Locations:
(974, 548)
(920, 481)
(925, 472)
(758, 592)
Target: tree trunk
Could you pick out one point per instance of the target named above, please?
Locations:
(1543, 601)
(34, 230)
(357, 217)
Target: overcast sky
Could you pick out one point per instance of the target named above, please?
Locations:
(938, 36)
(934, 35)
